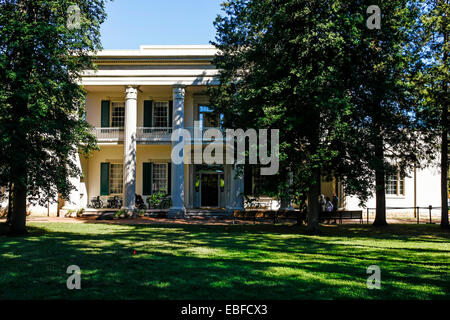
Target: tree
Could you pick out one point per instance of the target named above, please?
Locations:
(281, 67)
(340, 92)
(434, 82)
(386, 120)
(44, 47)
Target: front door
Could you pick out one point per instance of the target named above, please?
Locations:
(210, 190)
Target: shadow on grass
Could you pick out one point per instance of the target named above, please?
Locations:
(217, 262)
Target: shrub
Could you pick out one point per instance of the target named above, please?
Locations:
(69, 213)
(159, 200)
(80, 212)
(122, 213)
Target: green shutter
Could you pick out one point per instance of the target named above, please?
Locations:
(148, 106)
(170, 124)
(169, 178)
(105, 114)
(104, 179)
(147, 178)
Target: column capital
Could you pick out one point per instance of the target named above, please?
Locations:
(131, 92)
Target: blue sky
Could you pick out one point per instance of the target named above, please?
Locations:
(132, 23)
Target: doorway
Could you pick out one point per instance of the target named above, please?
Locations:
(210, 190)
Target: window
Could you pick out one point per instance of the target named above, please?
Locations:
(116, 178)
(159, 177)
(161, 114)
(395, 184)
(256, 184)
(117, 114)
(208, 118)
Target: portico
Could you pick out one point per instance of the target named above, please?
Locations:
(135, 101)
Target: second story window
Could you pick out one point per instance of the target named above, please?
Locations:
(117, 114)
(161, 114)
(208, 118)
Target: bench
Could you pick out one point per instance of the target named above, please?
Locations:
(274, 215)
(343, 215)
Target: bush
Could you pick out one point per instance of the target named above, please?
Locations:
(69, 213)
(159, 200)
(80, 212)
(122, 213)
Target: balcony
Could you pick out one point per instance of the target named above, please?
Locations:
(149, 135)
(143, 135)
(154, 135)
(108, 135)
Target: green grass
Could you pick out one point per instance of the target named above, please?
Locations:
(215, 262)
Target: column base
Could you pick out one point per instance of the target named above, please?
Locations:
(176, 213)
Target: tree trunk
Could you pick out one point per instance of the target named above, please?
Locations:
(312, 217)
(444, 152)
(444, 177)
(19, 212)
(10, 203)
(380, 216)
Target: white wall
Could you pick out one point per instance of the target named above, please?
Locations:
(428, 192)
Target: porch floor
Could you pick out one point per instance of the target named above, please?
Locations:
(197, 212)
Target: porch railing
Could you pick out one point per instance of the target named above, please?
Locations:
(154, 134)
(108, 134)
(150, 134)
(143, 134)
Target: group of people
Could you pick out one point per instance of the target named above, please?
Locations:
(328, 205)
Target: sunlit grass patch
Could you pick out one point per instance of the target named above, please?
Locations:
(212, 262)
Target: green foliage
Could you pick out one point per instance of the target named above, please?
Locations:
(432, 84)
(341, 94)
(69, 213)
(122, 213)
(42, 114)
(80, 212)
(159, 200)
(141, 213)
(281, 68)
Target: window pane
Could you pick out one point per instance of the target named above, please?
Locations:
(391, 184)
(207, 117)
(160, 114)
(159, 177)
(116, 179)
(117, 114)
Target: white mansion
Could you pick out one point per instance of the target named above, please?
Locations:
(137, 98)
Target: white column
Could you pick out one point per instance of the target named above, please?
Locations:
(129, 165)
(236, 188)
(177, 193)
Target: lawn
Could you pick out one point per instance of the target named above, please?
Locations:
(218, 262)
